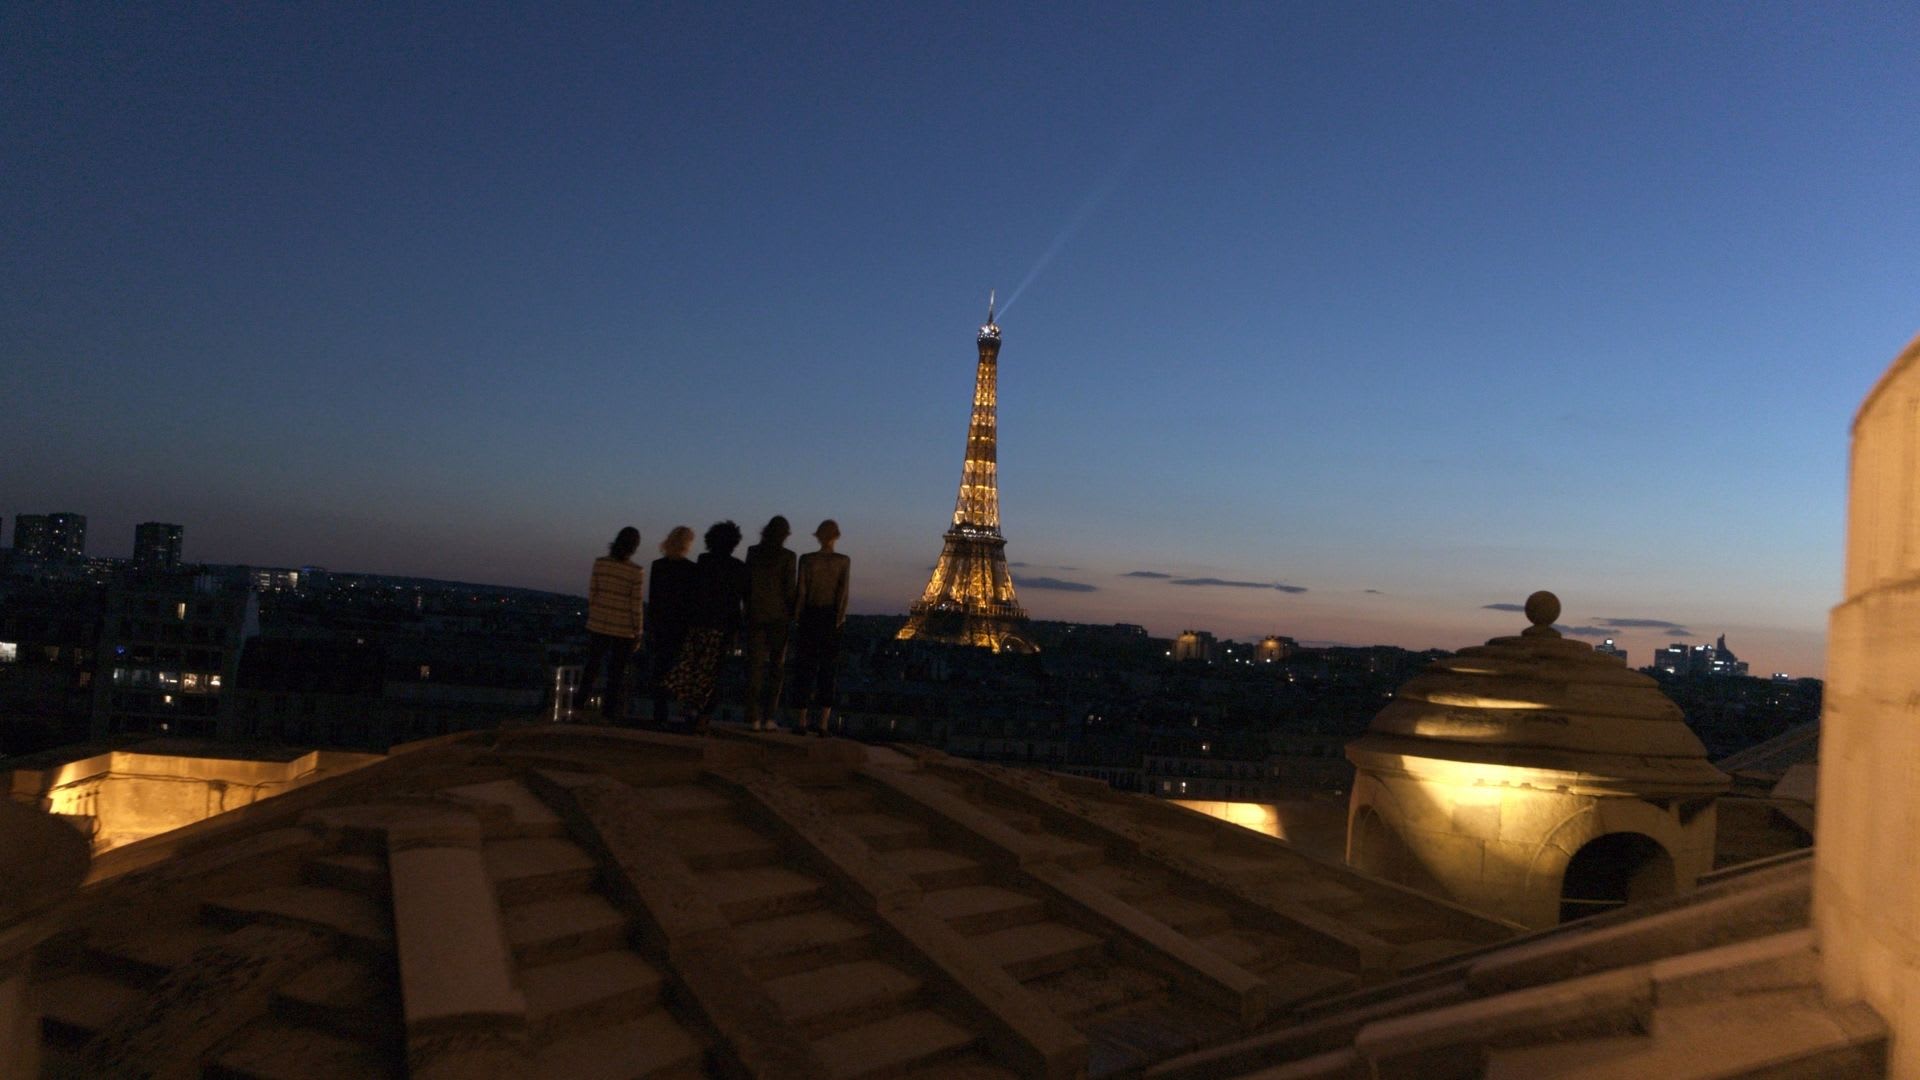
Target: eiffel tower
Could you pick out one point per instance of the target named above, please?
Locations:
(969, 600)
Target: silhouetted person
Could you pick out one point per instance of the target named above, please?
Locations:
(770, 604)
(719, 592)
(669, 612)
(816, 641)
(615, 618)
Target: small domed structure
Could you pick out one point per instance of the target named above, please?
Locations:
(1534, 779)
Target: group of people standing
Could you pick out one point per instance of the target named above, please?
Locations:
(696, 611)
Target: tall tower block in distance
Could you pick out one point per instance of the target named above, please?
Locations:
(969, 600)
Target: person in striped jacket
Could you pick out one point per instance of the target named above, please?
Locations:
(615, 615)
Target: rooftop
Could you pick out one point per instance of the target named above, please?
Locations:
(583, 901)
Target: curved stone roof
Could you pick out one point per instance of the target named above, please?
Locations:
(1541, 701)
(592, 902)
(1717, 983)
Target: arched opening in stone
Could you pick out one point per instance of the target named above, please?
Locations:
(1374, 848)
(1614, 870)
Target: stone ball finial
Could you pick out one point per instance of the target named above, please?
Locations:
(1542, 609)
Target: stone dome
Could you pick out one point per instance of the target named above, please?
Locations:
(1538, 700)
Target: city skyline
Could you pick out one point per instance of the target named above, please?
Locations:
(1610, 633)
(1415, 311)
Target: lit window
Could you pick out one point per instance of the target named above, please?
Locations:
(9, 651)
(180, 610)
(425, 671)
(167, 698)
(213, 682)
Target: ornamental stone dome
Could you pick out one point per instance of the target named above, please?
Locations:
(1539, 700)
(1533, 779)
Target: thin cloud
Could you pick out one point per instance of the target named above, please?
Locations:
(1503, 607)
(1641, 624)
(1147, 574)
(1222, 582)
(1053, 583)
(1018, 565)
(1585, 631)
(1373, 592)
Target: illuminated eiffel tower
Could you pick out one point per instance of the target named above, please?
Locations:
(969, 600)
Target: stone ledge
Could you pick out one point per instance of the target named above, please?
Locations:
(680, 921)
(643, 870)
(1749, 910)
(1450, 1041)
(1200, 970)
(226, 985)
(456, 971)
(1146, 938)
(995, 837)
(1338, 942)
(1762, 965)
(1329, 1035)
(1019, 1029)
(839, 853)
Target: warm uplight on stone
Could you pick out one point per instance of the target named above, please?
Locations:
(117, 797)
(1534, 779)
(1867, 881)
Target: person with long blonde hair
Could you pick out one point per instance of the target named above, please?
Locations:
(713, 625)
(669, 611)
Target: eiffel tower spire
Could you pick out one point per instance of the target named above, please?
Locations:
(969, 599)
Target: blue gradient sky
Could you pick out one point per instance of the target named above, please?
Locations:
(1447, 303)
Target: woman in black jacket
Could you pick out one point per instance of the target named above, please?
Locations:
(669, 610)
(719, 594)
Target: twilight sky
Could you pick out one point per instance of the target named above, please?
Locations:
(1415, 308)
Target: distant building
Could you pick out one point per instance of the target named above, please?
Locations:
(1682, 659)
(269, 579)
(169, 651)
(371, 696)
(1245, 768)
(1273, 648)
(1194, 645)
(1723, 662)
(1608, 648)
(50, 537)
(156, 545)
(49, 629)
